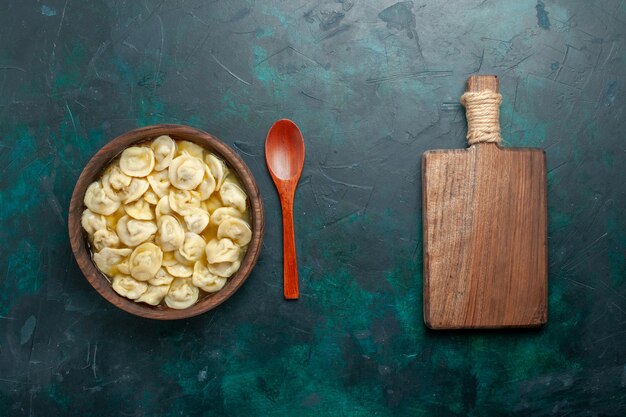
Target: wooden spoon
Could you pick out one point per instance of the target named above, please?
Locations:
(284, 155)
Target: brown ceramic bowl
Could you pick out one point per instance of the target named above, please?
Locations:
(92, 172)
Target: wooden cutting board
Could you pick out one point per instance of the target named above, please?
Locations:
(485, 230)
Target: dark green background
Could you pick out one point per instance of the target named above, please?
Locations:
(372, 84)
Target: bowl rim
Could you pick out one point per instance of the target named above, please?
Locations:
(92, 171)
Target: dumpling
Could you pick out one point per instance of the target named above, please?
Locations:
(182, 260)
(190, 148)
(114, 181)
(236, 230)
(151, 197)
(205, 280)
(179, 270)
(133, 232)
(162, 277)
(197, 220)
(98, 202)
(186, 172)
(164, 148)
(136, 190)
(233, 196)
(154, 295)
(107, 259)
(217, 168)
(223, 250)
(127, 193)
(160, 182)
(183, 201)
(171, 233)
(128, 287)
(105, 238)
(139, 210)
(123, 268)
(137, 161)
(145, 261)
(181, 294)
(224, 269)
(193, 247)
(222, 213)
(92, 222)
(115, 178)
(163, 207)
(207, 186)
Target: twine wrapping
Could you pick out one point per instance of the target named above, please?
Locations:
(483, 116)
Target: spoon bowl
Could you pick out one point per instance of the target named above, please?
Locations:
(284, 150)
(284, 155)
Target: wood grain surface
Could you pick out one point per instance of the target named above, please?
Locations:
(485, 235)
(92, 172)
(290, 260)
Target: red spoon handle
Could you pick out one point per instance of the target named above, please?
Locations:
(289, 252)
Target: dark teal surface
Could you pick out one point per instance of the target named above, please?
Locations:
(372, 84)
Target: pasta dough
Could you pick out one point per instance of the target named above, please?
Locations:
(223, 250)
(114, 181)
(182, 294)
(189, 148)
(205, 280)
(133, 232)
(137, 161)
(151, 197)
(164, 148)
(163, 207)
(222, 213)
(183, 202)
(162, 277)
(224, 269)
(207, 185)
(236, 230)
(92, 222)
(233, 196)
(139, 210)
(159, 182)
(98, 202)
(193, 247)
(136, 189)
(105, 238)
(149, 217)
(154, 295)
(179, 270)
(217, 168)
(186, 172)
(197, 220)
(108, 258)
(128, 287)
(171, 233)
(182, 260)
(145, 261)
(123, 268)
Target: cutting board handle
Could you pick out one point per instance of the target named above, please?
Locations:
(478, 83)
(482, 108)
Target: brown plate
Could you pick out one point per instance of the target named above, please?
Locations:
(92, 172)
